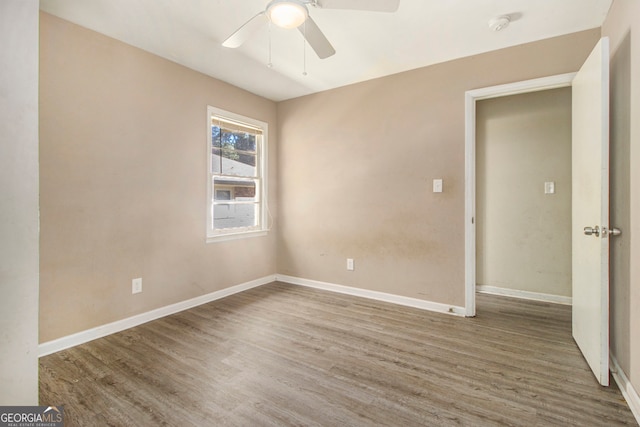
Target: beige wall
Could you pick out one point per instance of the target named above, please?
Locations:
(123, 137)
(356, 166)
(19, 202)
(523, 236)
(123, 180)
(622, 26)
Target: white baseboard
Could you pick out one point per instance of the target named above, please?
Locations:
(120, 325)
(630, 394)
(380, 296)
(514, 293)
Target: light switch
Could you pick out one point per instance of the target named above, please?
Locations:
(437, 185)
(350, 265)
(549, 187)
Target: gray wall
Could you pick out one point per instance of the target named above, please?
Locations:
(524, 235)
(19, 202)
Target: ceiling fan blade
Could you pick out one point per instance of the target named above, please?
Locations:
(316, 39)
(243, 33)
(371, 5)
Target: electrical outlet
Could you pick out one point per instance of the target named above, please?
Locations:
(350, 265)
(136, 285)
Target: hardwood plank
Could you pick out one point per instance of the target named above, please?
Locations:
(287, 355)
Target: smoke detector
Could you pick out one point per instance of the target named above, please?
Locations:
(500, 23)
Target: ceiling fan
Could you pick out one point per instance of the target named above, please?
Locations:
(294, 13)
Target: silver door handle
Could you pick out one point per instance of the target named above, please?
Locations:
(595, 231)
(610, 232)
(592, 231)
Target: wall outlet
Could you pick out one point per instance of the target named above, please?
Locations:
(136, 285)
(350, 264)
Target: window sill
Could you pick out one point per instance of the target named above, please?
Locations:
(235, 236)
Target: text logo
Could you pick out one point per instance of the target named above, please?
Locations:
(31, 416)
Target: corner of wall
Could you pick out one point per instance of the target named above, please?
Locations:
(19, 208)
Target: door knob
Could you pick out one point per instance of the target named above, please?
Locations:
(595, 231)
(614, 231)
(592, 231)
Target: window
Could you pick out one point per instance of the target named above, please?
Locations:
(237, 190)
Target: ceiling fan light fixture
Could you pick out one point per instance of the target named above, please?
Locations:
(287, 13)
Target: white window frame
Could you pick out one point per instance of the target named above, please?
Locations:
(262, 228)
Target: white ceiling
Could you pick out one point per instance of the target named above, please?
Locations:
(368, 44)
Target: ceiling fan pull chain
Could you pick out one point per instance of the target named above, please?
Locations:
(304, 49)
(270, 64)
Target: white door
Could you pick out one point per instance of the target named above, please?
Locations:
(590, 207)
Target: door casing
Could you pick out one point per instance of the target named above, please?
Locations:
(471, 97)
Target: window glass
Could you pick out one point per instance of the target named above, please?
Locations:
(236, 165)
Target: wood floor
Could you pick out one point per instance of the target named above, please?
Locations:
(288, 355)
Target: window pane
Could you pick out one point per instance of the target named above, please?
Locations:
(233, 152)
(234, 215)
(241, 207)
(237, 190)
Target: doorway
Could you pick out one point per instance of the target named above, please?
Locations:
(471, 97)
(590, 200)
(523, 195)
